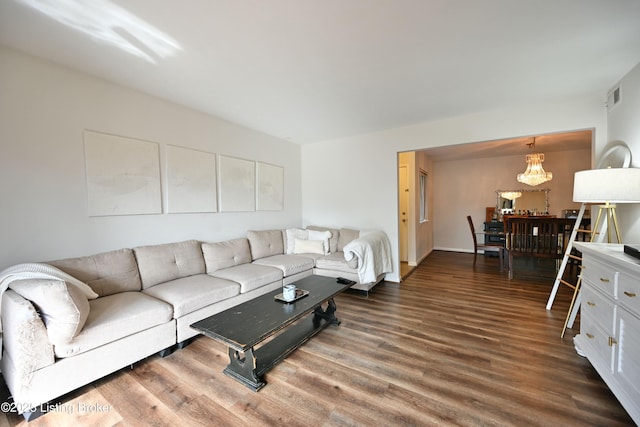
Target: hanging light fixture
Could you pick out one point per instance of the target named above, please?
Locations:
(510, 195)
(535, 174)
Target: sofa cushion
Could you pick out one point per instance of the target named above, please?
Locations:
(336, 261)
(63, 308)
(114, 317)
(335, 234)
(324, 236)
(288, 264)
(291, 234)
(250, 276)
(106, 273)
(265, 243)
(308, 247)
(169, 261)
(314, 257)
(191, 293)
(346, 236)
(226, 254)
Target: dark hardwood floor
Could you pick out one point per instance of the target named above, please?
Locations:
(450, 345)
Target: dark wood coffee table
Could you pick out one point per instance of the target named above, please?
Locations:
(246, 325)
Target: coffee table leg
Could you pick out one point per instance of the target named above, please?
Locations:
(329, 313)
(243, 369)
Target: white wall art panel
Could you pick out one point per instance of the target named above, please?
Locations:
(191, 180)
(237, 185)
(123, 175)
(270, 187)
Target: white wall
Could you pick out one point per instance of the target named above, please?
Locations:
(44, 109)
(468, 187)
(353, 181)
(624, 125)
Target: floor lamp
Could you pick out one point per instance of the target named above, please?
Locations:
(610, 186)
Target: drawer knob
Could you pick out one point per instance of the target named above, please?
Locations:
(591, 304)
(630, 294)
(590, 336)
(612, 341)
(604, 280)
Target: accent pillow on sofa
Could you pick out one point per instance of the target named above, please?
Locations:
(321, 235)
(63, 307)
(333, 241)
(292, 235)
(301, 246)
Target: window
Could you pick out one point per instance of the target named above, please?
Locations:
(424, 197)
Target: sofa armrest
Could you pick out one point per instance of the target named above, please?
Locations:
(24, 335)
(373, 251)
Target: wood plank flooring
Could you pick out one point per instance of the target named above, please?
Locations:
(451, 345)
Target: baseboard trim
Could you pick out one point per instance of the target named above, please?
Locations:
(467, 251)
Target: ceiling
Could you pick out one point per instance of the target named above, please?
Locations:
(314, 70)
(563, 141)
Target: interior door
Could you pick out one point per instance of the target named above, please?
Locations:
(403, 206)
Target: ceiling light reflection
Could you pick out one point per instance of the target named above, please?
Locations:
(110, 23)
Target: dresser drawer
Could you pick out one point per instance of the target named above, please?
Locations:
(629, 293)
(598, 309)
(600, 276)
(595, 343)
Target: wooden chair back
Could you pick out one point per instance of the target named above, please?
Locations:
(538, 237)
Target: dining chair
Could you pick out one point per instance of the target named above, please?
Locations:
(486, 248)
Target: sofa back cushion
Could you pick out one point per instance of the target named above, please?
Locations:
(226, 254)
(169, 261)
(266, 243)
(346, 236)
(106, 273)
(333, 240)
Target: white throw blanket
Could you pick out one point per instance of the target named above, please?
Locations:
(40, 271)
(373, 251)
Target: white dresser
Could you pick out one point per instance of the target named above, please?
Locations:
(610, 319)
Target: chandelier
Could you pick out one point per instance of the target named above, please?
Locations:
(534, 174)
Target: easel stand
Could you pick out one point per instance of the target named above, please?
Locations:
(600, 228)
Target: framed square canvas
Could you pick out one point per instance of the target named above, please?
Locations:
(191, 180)
(237, 184)
(123, 175)
(270, 187)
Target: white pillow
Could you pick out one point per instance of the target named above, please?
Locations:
(321, 235)
(292, 234)
(64, 308)
(308, 247)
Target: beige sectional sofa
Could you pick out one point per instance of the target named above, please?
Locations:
(56, 339)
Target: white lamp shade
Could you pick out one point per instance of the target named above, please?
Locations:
(614, 185)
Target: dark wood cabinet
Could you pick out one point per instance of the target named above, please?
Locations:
(494, 235)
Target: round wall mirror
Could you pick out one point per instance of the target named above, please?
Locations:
(617, 155)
